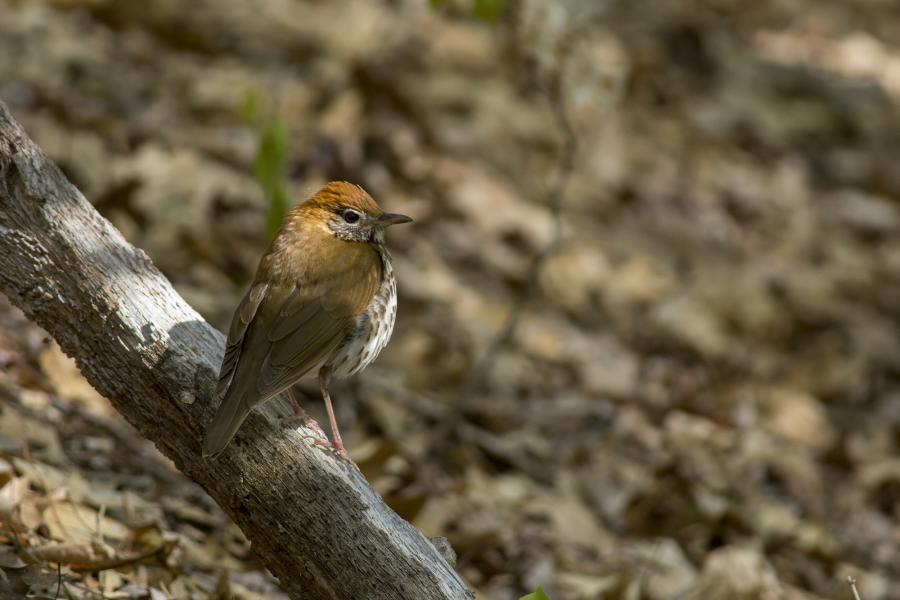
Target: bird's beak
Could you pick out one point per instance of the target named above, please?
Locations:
(388, 219)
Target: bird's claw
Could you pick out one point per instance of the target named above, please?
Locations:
(337, 448)
(319, 437)
(309, 423)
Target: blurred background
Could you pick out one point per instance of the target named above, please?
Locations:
(648, 340)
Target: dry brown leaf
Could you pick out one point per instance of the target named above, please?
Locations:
(68, 381)
(579, 586)
(70, 553)
(800, 417)
(81, 524)
(12, 494)
(45, 478)
(739, 573)
(40, 436)
(6, 472)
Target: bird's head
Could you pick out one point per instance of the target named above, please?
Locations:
(350, 214)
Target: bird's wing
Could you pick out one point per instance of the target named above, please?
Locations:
(296, 326)
(239, 322)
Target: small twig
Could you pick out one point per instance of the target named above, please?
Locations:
(852, 582)
(115, 563)
(553, 93)
(26, 453)
(58, 580)
(100, 515)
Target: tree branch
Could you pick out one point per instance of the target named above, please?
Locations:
(312, 519)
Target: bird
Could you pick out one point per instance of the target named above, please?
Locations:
(323, 300)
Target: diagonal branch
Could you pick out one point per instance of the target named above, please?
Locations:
(313, 520)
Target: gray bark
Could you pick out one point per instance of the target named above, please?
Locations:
(312, 519)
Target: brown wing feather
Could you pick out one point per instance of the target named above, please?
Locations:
(242, 317)
(305, 339)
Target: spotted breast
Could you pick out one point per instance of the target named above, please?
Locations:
(373, 327)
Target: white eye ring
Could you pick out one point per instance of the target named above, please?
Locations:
(350, 216)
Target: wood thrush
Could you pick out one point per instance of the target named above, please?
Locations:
(324, 298)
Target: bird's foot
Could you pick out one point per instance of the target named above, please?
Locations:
(319, 437)
(336, 447)
(300, 416)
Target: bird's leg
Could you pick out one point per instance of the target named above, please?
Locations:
(324, 379)
(300, 415)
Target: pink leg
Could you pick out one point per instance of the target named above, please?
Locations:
(301, 416)
(299, 413)
(324, 379)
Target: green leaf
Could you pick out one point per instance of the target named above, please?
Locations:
(270, 172)
(278, 208)
(540, 594)
(269, 166)
(250, 109)
(489, 10)
(437, 3)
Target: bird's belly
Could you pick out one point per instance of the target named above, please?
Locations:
(371, 335)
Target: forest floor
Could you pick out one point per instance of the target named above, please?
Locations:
(648, 342)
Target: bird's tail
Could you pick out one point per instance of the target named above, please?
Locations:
(229, 417)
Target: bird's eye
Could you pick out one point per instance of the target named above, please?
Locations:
(350, 216)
